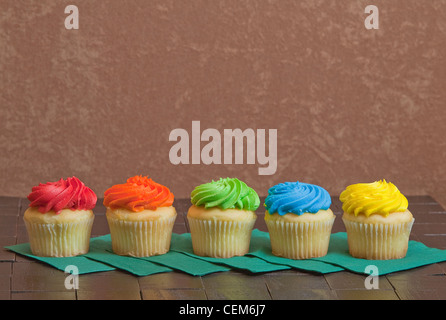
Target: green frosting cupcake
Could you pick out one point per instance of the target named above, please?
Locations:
(226, 193)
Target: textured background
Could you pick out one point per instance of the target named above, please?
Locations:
(350, 105)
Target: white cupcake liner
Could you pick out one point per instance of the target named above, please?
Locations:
(378, 241)
(60, 239)
(141, 238)
(220, 239)
(299, 240)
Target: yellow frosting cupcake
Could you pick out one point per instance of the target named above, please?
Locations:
(377, 221)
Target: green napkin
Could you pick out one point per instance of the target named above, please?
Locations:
(259, 259)
(180, 257)
(101, 250)
(185, 263)
(183, 244)
(261, 248)
(417, 255)
(83, 264)
(148, 265)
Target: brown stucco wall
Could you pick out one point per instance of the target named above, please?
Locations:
(350, 104)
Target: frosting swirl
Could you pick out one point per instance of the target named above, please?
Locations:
(297, 197)
(226, 193)
(137, 194)
(63, 194)
(377, 197)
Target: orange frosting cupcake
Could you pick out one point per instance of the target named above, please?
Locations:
(138, 194)
(140, 216)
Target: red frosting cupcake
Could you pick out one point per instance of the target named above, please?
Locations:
(63, 194)
(60, 217)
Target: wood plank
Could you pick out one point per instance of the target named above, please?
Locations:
(427, 282)
(6, 201)
(235, 285)
(237, 293)
(170, 280)
(44, 295)
(173, 294)
(366, 295)
(288, 286)
(345, 280)
(25, 278)
(109, 295)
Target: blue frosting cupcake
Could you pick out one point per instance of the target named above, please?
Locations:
(299, 220)
(297, 197)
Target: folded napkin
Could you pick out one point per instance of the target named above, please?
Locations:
(261, 247)
(338, 257)
(259, 259)
(183, 243)
(101, 258)
(417, 255)
(101, 251)
(83, 264)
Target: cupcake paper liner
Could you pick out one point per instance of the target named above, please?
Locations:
(141, 238)
(300, 240)
(220, 239)
(378, 241)
(60, 239)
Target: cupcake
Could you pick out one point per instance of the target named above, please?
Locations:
(299, 220)
(221, 218)
(59, 218)
(140, 216)
(377, 221)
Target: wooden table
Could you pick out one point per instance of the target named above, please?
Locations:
(24, 278)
